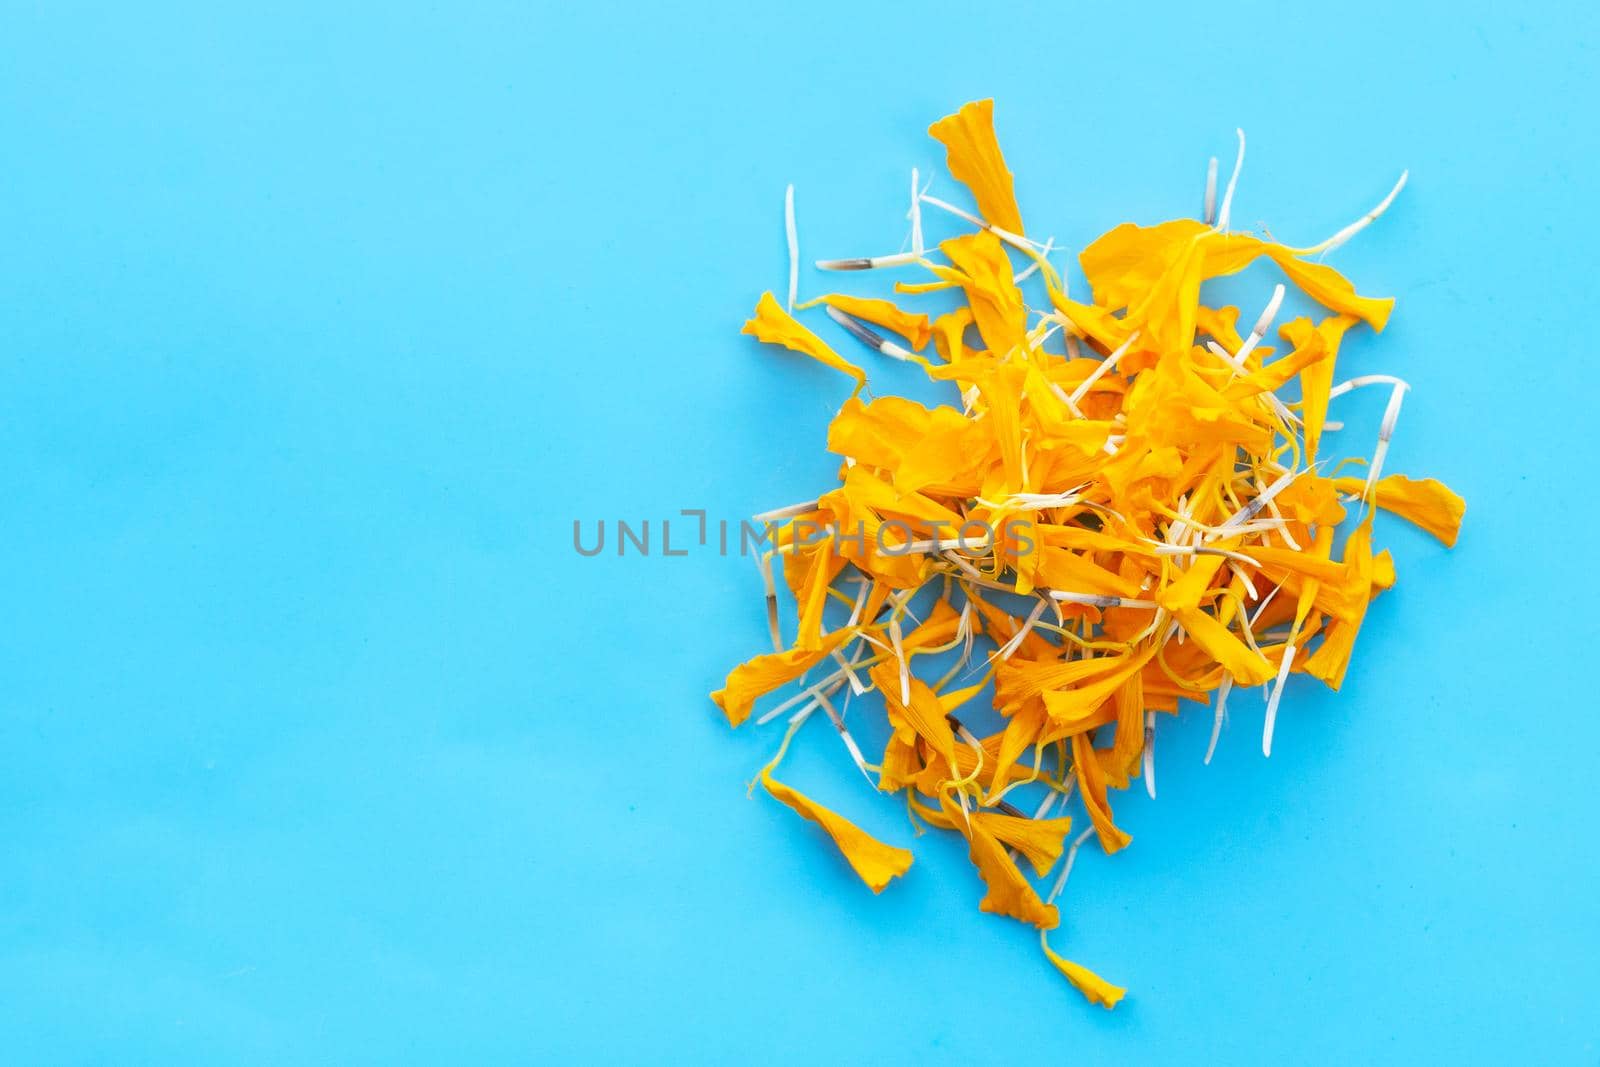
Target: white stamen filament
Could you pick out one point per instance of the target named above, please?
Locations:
(895, 639)
(1036, 501)
(844, 735)
(1283, 531)
(1391, 415)
(1222, 710)
(831, 684)
(1262, 607)
(856, 684)
(1028, 271)
(1012, 645)
(1204, 550)
(1252, 508)
(916, 214)
(1272, 701)
(1098, 600)
(794, 245)
(1231, 360)
(1233, 182)
(788, 511)
(1262, 324)
(1105, 366)
(764, 562)
(1016, 240)
(808, 697)
(1046, 804)
(1249, 586)
(1211, 192)
(1364, 380)
(1150, 753)
(898, 259)
(1360, 224)
(861, 602)
(910, 547)
(1066, 869)
(866, 335)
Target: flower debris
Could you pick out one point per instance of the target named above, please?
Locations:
(1155, 523)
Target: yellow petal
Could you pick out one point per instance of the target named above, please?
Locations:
(875, 862)
(973, 156)
(921, 716)
(1091, 985)
(1332, 658)
(1230, 253)
(1009, 892)
(776, 326)
(1092, 785)
(914, 327)
(1039, 840)
(1247, 666)
(1070, 707)
(1316, 378)
(984, 272)
(1423, 502)
(761, 675)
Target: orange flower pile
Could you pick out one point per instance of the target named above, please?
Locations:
(1117, 499)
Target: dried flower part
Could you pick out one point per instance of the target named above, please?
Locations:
(1091, 985)
(1425, 503)
(915, 328)
(876, 863)
(973, 156)
(1116, 502)
(776, 326)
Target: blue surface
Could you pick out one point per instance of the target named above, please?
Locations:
(318, 743)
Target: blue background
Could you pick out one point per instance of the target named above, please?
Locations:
(318, 743)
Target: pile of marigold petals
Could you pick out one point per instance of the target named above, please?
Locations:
(1156, 525)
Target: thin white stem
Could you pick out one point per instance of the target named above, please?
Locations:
(857, 686)
(844, 735)
(1364, 380)
(1066, 869)
(916, 214)
(1233, 182)
(1011, 646)
(1249, 586)
(861, 602)
(1016, 240)
(831, 684)
(867, 335)
(1222, 711)
(1211, 192)
(1028, 271)
(1150, 753)
(1204, 550)
(898, 259)
(1106, 365)
(1097, 600)
(1272, 701)
(1227, 357)
(794, 245)
(1360, 224)
(1253, 507)
(1391, 415)
(1262, 607)
(1263, 323)
(895, 639)
(788, 511)
(764, 562)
